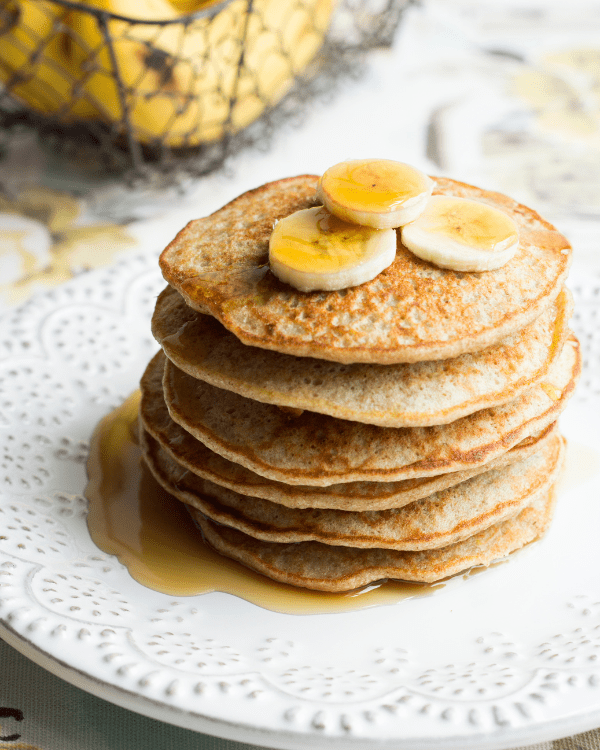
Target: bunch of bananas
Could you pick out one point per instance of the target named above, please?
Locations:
(179, 83)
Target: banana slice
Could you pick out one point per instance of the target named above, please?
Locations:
(378, 193)
(315, 250)
(462, 234)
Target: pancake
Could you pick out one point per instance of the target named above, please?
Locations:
(315, 449)
(327, 568)
(401, 395)
(441, 519)
(197, 458)
(413, 311)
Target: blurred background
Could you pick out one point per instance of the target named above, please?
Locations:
(505, 95)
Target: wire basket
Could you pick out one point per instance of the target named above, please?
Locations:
(175, 91)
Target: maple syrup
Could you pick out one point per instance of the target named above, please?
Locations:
(551, 391)
(153, 535)
(228, 289)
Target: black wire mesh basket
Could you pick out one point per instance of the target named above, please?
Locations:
(184, 84)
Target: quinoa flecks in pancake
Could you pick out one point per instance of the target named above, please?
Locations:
(401, 395)
(323, 567)
(321, 450)
(441, 519)
(413, 311)
(197, 458)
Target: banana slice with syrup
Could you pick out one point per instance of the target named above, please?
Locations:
(314, 250)
(462, 234)
(378, 193)
(352, 238)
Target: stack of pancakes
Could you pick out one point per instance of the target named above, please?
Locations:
(404, 428)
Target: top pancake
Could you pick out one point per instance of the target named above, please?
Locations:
(413, 311)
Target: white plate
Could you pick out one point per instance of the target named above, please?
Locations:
(506, 658)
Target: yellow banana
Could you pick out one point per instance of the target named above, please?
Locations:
(180, 81)
(282, 38)
(33, 60)
(191, 6)
(156, 84)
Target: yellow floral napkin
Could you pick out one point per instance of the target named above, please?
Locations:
(46, 239)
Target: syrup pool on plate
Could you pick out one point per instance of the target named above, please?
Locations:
(153, 535)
